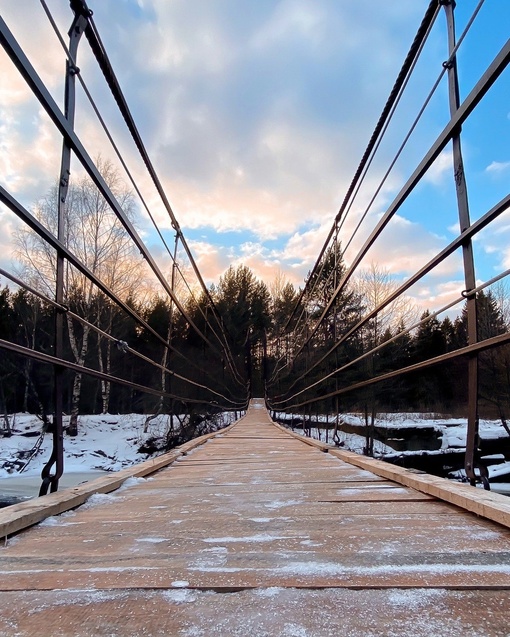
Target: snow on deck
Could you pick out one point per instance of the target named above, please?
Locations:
(303, 543)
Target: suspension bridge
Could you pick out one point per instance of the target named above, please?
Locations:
(252, 530)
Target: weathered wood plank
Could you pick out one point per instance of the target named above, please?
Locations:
(25, 514)
(492, 506)
(274, 519)
(256, 613)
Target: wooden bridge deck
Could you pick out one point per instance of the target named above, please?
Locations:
(255, 533)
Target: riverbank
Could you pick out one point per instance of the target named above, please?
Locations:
(433, 443)
(18, 487)
(104, 443)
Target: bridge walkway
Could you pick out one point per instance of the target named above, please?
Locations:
(256, 533)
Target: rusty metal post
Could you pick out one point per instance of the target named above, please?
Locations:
(335, 328)
(467, 250)
(170, 329)
(56, 460)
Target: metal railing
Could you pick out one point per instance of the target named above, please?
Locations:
(334, 361)
(212, 384)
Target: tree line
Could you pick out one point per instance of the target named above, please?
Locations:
(253, 320)
(336, 349)
(242, 337)
(244, 303)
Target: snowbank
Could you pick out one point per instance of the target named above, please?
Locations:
(104, 443)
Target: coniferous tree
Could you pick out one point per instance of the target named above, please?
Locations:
(494, 364)
(244, 305)
(429, 342)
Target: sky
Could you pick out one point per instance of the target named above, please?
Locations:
(256, 115)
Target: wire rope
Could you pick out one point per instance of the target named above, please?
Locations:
(404, 143)
(96, 110)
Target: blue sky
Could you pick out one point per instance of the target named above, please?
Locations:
(256, 114)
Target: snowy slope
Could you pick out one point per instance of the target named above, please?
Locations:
(104, 442)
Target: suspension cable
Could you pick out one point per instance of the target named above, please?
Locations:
(474, 229)
(472, 100)
(83, 9)
(126, 346)
(428, 19)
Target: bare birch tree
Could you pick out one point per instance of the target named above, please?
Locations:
(374, 285)
(97, 238)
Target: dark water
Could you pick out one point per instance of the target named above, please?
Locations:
(19, 488)
(6, 501)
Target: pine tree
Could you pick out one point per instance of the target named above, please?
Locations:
(243, 302)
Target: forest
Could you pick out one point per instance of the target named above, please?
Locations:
(128, 346)
(254, 316)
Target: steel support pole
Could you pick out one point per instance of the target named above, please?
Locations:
(467, 251)
(171, 327)
(56, 460)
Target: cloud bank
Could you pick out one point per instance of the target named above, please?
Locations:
(255, 115)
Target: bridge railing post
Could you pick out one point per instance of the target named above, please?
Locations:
(49, 479)
(467, 249)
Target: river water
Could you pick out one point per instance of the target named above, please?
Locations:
(17, 488)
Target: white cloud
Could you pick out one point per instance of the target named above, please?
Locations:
(292, 19)
(440, 169)
(8, 224)
(435, 295)
(254, 114)
(498, 167)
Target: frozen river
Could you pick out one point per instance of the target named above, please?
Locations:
(23, 487)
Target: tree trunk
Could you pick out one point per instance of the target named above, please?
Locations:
(79, 359)
(28, 367)
(7, 424)
(26, 373)
(105, 384)
(161, 403)
(164, 363)
(75, 406)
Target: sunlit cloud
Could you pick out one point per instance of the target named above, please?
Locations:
(498, 167)
(255, 116)
(441, 169)
(8, 225)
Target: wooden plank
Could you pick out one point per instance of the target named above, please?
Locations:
(487, 504)
(492, 506)
(24, 514)
(256, 612)
(300, 528)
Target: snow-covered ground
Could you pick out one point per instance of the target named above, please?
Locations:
(451, 430)
(451, 433)
(104, 443)
(112, 442)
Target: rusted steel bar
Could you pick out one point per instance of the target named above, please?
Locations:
(481, 346)
(465, 109)
(40, 91)
(52, 360)
(467, 248)
(50, 238)
(104, 334)
(99, 52)
(50, 480)
(466, 235)
(421, 35)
